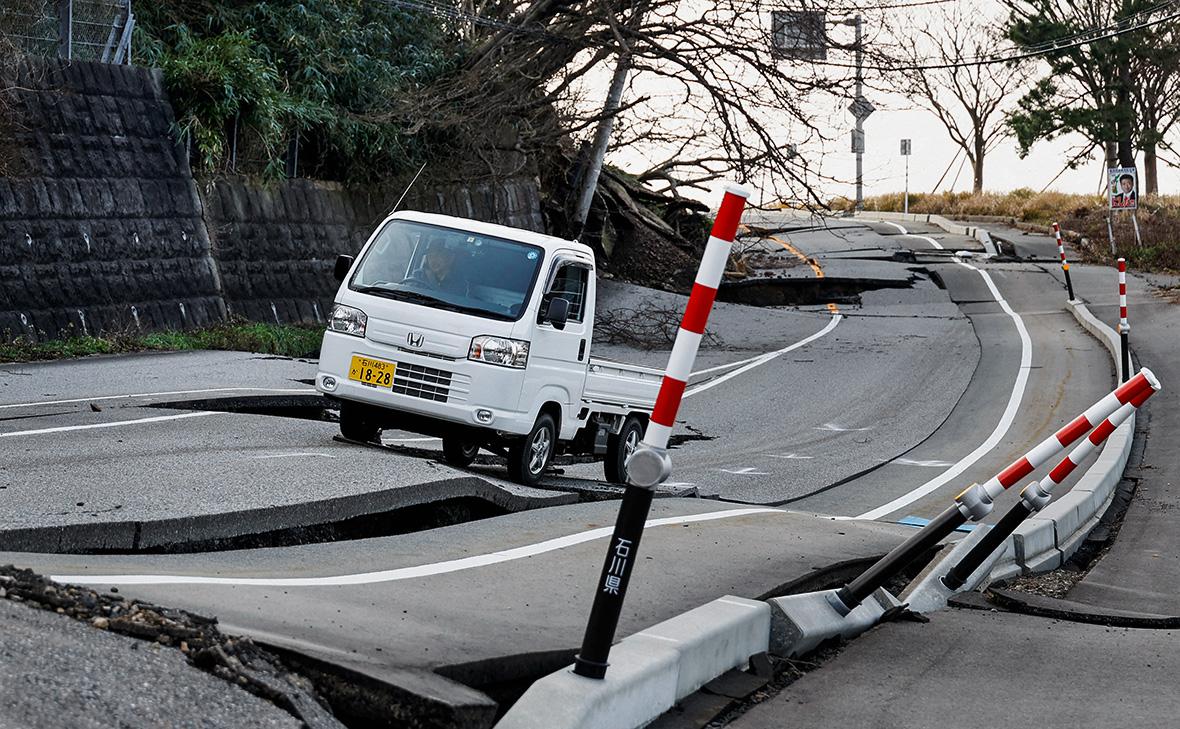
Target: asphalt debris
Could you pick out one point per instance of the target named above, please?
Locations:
(236, 660)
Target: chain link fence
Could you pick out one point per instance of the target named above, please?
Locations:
(84, 30)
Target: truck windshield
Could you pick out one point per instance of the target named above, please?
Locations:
(449, 269)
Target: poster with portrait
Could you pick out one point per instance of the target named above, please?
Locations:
(1124, 188)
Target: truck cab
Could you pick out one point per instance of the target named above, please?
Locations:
(479, 334)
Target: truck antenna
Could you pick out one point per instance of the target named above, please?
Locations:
(405, 192)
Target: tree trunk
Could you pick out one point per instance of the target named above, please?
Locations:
(1150, 174)
(977, 164)
(1125, 119)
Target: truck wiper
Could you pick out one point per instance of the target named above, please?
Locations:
(420, 298)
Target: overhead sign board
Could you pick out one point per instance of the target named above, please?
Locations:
(1123, 188)
(861, 108)
(799, 34)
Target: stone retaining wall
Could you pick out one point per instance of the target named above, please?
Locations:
(103, 228)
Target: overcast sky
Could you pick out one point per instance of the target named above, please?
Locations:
(896, 118)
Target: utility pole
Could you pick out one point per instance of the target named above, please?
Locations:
(860, 120)
(905, 152)
(861, 109)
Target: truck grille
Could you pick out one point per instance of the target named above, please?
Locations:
(424, 382)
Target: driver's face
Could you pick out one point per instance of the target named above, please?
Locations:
(439, 261)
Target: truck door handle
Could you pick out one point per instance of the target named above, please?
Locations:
(581, 350)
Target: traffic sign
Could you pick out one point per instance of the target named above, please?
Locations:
(858, 141)
(905, 147)
(861, 108)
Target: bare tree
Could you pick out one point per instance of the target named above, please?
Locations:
(967, 99)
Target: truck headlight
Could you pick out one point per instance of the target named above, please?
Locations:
(499, 351)
(347, 320)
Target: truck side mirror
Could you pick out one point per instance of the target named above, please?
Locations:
(343, 265)
(558, 313)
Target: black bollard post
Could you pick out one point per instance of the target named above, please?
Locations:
(591, 661)
(855, 592)
(985, 546)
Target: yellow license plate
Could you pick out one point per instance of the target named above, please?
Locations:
(373, 372)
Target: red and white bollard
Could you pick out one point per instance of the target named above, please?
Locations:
(649, 465)
(976, 501)
(1037, 494)
(1064, 263)
(1124, 327)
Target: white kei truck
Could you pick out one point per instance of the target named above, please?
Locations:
(479, 334)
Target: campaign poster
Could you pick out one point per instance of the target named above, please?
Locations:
(1124, 188)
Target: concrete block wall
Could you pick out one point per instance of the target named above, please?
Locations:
(275, 245)
(103, 228)
(100, 222)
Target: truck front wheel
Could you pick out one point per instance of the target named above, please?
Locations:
(357, 422)
(529, 456)
(459, 450)
(620, 447)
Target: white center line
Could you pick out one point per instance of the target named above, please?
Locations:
(926, 238)
(1006, 419)
(404, 573)
(113, 424)
(763, 359)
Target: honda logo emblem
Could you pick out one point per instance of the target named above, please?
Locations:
(415, 339)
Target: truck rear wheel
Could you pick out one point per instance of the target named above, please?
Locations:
(529, 456)
(459, 450)
(357, 422)
(620, 447)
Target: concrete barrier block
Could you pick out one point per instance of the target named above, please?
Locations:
(713, 639)
(639, 686)
(1044, 562)
(927, 593)
(1004, 571)
(1035, 537)
(799, 623)
(1070, 512)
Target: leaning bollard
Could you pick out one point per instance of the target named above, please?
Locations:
(1064, 263)
(1124, 327)
(649, 465)
(1036, 495)
(975, 501)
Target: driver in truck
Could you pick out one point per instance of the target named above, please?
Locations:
(438, 267)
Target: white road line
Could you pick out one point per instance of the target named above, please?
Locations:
(1006, 420)
(154, 394)
(926, 238)
(792, 457)
(406, 440)
(841, 429)
(747, 471)
(921, 464)
(763, 359)
(404, 573)
(113, 424)
(292, 455)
